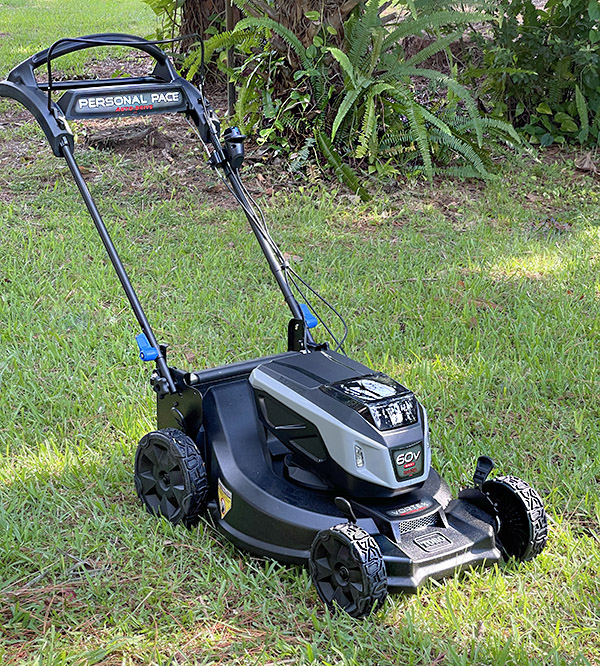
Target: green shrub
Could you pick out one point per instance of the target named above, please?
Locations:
(359, 105)
(542, 69)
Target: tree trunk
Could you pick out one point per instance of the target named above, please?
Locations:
(199, 15)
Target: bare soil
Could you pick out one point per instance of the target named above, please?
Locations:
(168, 139)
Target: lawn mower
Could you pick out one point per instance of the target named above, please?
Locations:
(305, 456)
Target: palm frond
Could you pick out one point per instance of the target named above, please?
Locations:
(458, 145)
(430, 23)
(435, 47)
(368, 128)
(287, 35)
(460, 91)
(416, 121)
(359, 38)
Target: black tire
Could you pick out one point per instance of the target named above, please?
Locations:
(522, 529)
(170, 476)
(347, 569)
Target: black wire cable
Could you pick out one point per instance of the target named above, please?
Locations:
(340, 343)
(288, 269)
(314, 310)
(289, 272)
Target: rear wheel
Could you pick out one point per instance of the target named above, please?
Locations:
(347, 569)
(170, 476)
(522, 530)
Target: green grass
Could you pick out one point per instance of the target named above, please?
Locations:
(28, 26)
(474, 297)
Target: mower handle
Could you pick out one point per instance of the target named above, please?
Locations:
(23, 73)
(21, 85)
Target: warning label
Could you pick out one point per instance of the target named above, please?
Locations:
(224, 499)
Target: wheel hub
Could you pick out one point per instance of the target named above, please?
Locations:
(342, 574)
(164, 480)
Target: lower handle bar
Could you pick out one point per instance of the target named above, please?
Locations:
(136, 306)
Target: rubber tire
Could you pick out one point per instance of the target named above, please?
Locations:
(522, 530)
(348, 547)
(170, 476)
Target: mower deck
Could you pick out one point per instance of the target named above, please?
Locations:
(422, 533)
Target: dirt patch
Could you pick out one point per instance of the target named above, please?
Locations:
(151, 141)
(134, 64)
(144, 141)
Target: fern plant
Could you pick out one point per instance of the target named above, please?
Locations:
(379, 98)
(369, 106)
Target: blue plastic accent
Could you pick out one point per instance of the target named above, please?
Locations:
(309, 318)
(147, 353)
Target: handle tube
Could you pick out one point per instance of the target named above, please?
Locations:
(68, 45)
(23, 73)
(136, 306)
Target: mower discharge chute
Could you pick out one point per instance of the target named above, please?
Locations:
(305, 456)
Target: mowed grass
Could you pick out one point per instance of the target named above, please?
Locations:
(483, 300)
(28, 26)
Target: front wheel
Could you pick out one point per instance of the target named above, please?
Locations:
(347, 569)
(170, 476)
(522, 529)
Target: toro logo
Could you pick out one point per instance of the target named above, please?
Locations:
(432, 542)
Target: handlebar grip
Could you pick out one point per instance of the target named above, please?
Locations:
(70, 45)
(23, 74)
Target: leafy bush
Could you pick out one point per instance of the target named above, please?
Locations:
(368, 104)
(168, 11)
(542, 69)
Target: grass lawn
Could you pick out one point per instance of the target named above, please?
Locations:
(482, 299)
(27, 26)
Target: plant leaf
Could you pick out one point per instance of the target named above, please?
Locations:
(345, 106)
(342, 170)
(582, 111)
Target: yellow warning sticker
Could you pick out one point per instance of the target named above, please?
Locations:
(224, 499)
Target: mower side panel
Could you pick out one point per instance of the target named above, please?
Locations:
(422, 533)
(252, 504)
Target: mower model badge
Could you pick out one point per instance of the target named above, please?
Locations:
(409, 510)
(408, 461)
(119, 103)
(95, 102)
